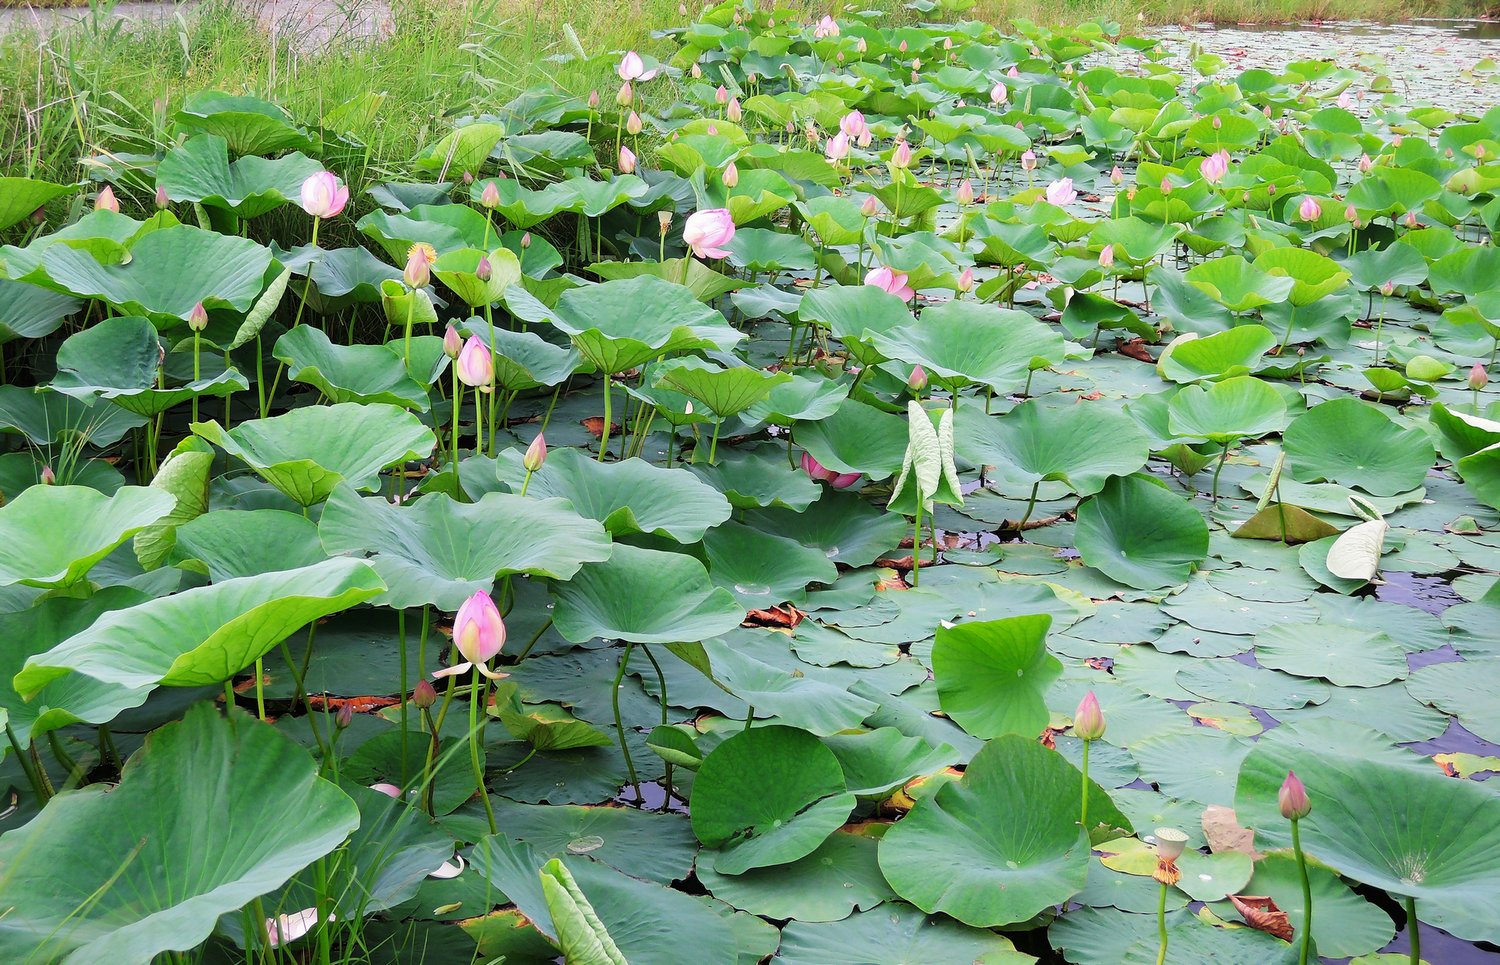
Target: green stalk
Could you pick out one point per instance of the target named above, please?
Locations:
(614, 696)
(260, 689)
(661, 682)
(1030, 508)
(479, 690)
(1161, 925)
(197, 342)
(1414, 929)
(1083, 812)
(405, 693)
(411, 304)
(31, 774)
(1307, 895)
(1223, 457)
(604, 433)
(916, 545)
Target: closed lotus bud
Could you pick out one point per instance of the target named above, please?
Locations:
(1271, 190)
(869, 207)
(424, 695)
(861, 46)
(478, 630)
(722, 94)
(1387, 287)
(453, 343)
(38, 216)
(916, 64)
(1107, 256)
(713, 129)
(901, 157)
(966, 280)
(664, 220)
(161, 197)
(627, 160)
(902, 47)
(536, 454)
(1293, 798)
(106, 200)
(1088, 719)
(965, 193)
(490, 196)
(418, 270)
(731, 175)
(475, 366)
(1218, 122)
(682, 10)
(1365, 164)
(1351, 215)
(1116, 176)
(48, 477)
(468, 178)
(917, 381)
(1396, 141)
(1410, 220)
(1309, 209)
(1028, 160)
(633, 124)
(733, 111)
(593, 98)
(626, 95)
(483, 270)
(697, 71)
(525, 240)
(1166, 185)
(345, 715)
(1478, 377)
(198, 318)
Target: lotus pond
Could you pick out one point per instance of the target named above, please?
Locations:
(855, 494)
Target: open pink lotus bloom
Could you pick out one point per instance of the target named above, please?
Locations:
(1215, 166)
(1061, 192)
(633, 68)
(835, 479)
(853, 124)
(890, 281)
(708, 231)
(289, 928)
(838, 147)
(323, 196)
(827, 27)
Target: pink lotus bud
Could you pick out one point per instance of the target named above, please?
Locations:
(1166, 185)
(468, 178)
(1410, 220)
(861, 46)
(915, 77)
(1088, 719)
(161, 197)
(836, 480)
(1012, 72)
(478, 631)
(1116, 176)
(1271, 190)
(947, 43)
(1478, 377)
(1396, 141)
(633, 124)
(1061, 192)
(536, 454)
(1365, 164)
(106, 200)
(999, 94)
(626, 95)
(901, 157)
(733, 112)
(627, 160)
(1310, 210)
(902, 47)
(418, 270)
(453, 343)
(966, 280)
(853, 124)
(344, 716)
(593, 98)
(1293, 798)
(664, 220)
(475, 366)
(837, 148)
(490, 196)
(483, 270)
(722, 94)
(38, 216)
(48, 477)
(323, 196)
(697, 71)
(1351, 215)
(1107, 256)
(198, 318)
(424, 695)
(916, 65)
(525, 240)
(917, 381)
(1387, 287)
(1218, 122)
(891, 282)
(965, 193)
(731, 176)
(707, 232)
(1028, 160)
(631, 67)
(869, 207)
(713, 129)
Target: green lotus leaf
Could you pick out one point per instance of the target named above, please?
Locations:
(705, 283)
(248, 124)
(1135, 240)
(766, 797)
(1389, 190)
(964, 343)
(1079, 445)
(724, 391)
(447, 227)
(840, 877)
(438, 551)
(765, 250)
(76, 905)
(1224, 412)
(120, 360)
(1222, 355)
(835, 220)
(46, 417)
(1312, 274)
(760, 569)
(654, 846)
(581, 936)
(1354, 443)
(229, 543)
(992, 675)
(645, 596)
(456, 269)
(893, 934)
(52, 536)
(1344, 656)
(525, 360)
(168, 273)
(1347, 925)
(845, 527)
(361, 373)
(185, 476)
(1238, 285)
(1138, 532)
(1109, 936)
(757, 478)
(340, 277)
(617, 325)
(856, 438)
(463, 149)
(1002, 843)
(850, 311)
(627, 497)
(31, 311)
(308, 451)
(199, 170)
(21, 196)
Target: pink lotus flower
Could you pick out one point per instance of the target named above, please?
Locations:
(1215, 166)
(418, 270)
(966, 280)
(917, 381)
(999, 94)
(834, 479)
(827, 27)
(1116, 176)
(1293, 798)
(289, 928)
(733, 111)
(1310, 210)
(323, 196)
(633, 124)
(1107, 256)
(106, 201)
(1351, 215)
(478, 635)
(731, 175)
(475, 366)
(853, 124)
(389, 790)
(536, 454)
(633, 68)
(1365, 164)
(198, 318)
(1013, 72)
(1088, 719)
(625, 96)
(964, 195)
(891, 282)
(627, 160)
(161, 197)
(722, 94)
(593, 98)
(708, 231)
(1061, 192)
(837, 148)
(901, 156)
(901, 47)
(1479, 377)
(1028, 160)
(1344, 100)
(490, 196)
(869, 207)
(861, 46)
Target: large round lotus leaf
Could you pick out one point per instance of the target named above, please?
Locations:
(992, 675)
(760, 569)
(1001, 844)
(1078, 445)
(310, 450)
(618, 325)
(1389, 820)
(1108, 936)
(31, 311)
(650, 924)
(1390, 190)
(850, 311)
(249, 124)
(1222, 355)
(645, 844)
(857, 438)
(229, 543)
(71, 699)
(768, 796)
(646, 596)
(1354, 443)
(876, 762)
(845, 527)
(168, 273)
(1345, 925)
(199, 169)
(627, 497)
(1236, 284)
(801, 399)
(1230, 680)
(53, 535)
(1238, 408)
(121, 359)
(893, 934)
(1138, 532)
(459, 271)
(525, 360)
(360, 373)
(21, 196)
(839, 878)
(1313, 275)
(756, 478)
(725, 392)
(447, 227)
(960, 343)
(126, 875)
(1344, 656)
(439, 551)
(45, 417)
(1461, 689)
(203, 635)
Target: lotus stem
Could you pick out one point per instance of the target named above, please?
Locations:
(1379, 322)
(197, 344)
(458, 397)
(1083, 810)
(27, 765)
(411, 304)
(405, 691)
(1414, 928)
(661, 683)
(479, 691)
(1223, 457)
(1302, 958)
(713, 445)
(260, 375)
(535, 637)
(749, 717)
(1031, 508)
(614, 697)
(478, 422)
(1161, 925)
(260, 689)
(1291, 318)
(916, 546)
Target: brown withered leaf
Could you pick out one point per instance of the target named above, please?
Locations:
(1260, 912)
(903, 564)
(1223, 831)
(892, 582)
(783, 615)
(1136, 349)
(1049, 738)
(359, 705)
(595, 426)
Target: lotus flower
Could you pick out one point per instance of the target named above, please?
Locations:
(707, 231)
(633, 68)
(664, 221)
(478, 635)
(627, 160)
(827, 27)
(853, 124)
(1088, 719)
(423, 695)
(1365, 164)
(1028, 160)
(1012, 72)
(721, 95)
(1107, 256)
(966, 280)
(1344, 100)
(892, 282)
(733, 111)
(1478, 377)
(869, 207)
(626, 95)
(964, 195)
(837, 148)
(1215, 166)
(323, 196)
(901, 157)
(490, 196)
(106, 201)
(1310, 210)
(1351, 215)
(1170, 843)
(917, 381)
(633, 124)
(161, 197)
(289, 928)
(1292, 798)
(1116, 176)
(418, 270)
(999, 94)
(536, 454)
(593, 98)
(1061, 192)
(731, 175)
(475, 366)
(834, 479)
(391, 790)
(47, 477)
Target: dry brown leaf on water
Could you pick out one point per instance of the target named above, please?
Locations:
(1222, 829)
(1260, 912)
(595, 426)
(1136, 349)
(783, 615)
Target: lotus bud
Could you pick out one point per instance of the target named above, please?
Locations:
(721, 95)
(1218, 122)
(869, 207)
(733, 111)
(1387, 287)
(1479, 377)
(106, 200)
(1352, 216)
(682, 10)
(48, 477)
(453, 343)
(384, 787)
(834, 479)
(633, 124)
(837, 148)
(424, 695)
(1107, 256)
(1166, 185)
(1310, 210)
(1365, 164)
(627, 160)
(901, 157)
(999, 93)
(664, 220)
(861, 46)
(902, 47)
(626, 95)
(1012, 72)
(965, 193)
(697, 71)
(1270, 190)
(1116, 176)
(1396, 141)
(198, 318)
(1028, 160)
(917, 381)
(631, 67)
(478, 630)
(468, 178)
(1293, 798)
(323, 196)
(525, 240)
(916, 64)
(536, 454)
(1088, 719)
(1266, 110)
(38, 216)
(489, 198)
(593, 98)
(418, 271)
(731, 175)
(483, 270)
(915, 77)
(947, 43)
(966, 280)
(161, 197)
(475, 366)
(1410, 220)
(713, 129)
(345, 715)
